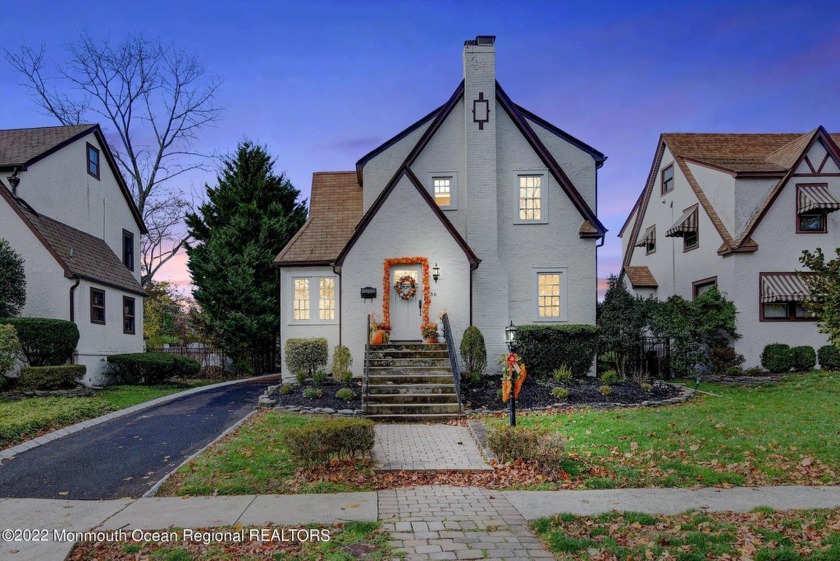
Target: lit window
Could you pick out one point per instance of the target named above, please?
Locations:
(326, 300)
(443, 191)
(668, 179)
(301, 299)
(128, 315)
(93, 161)
(97, 306)
(530, 197)
(548, 293)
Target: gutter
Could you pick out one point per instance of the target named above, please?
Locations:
(73, 312)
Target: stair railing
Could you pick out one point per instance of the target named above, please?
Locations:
(453, 359)
(366, 373)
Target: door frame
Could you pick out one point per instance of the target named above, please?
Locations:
(412, 332)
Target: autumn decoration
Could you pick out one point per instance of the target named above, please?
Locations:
(513, 377)
(406, 287)
(430, 332)
(386, 285)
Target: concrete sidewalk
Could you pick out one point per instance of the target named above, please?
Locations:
(292, 510)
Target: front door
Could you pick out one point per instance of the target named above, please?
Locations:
(406, 314)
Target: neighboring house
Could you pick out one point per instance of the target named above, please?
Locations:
(737, 210)
(501, 202)
(65, 208)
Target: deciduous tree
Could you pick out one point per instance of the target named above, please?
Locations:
(12, 281)
(824, 284)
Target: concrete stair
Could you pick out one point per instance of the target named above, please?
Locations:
(410, 382)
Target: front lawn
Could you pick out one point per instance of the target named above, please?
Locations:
(762, 535)
(770, 435)
(31, 417)
(347, 542)
(254, 460)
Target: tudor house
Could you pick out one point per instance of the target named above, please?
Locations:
(736, 211)
(65, 208)
(490, 209)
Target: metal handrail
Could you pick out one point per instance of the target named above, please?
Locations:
(365, 375)
(453, 358)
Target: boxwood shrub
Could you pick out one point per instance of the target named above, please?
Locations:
(150, 368)
(9, 349)
(777, 358)
(44, 341)
(829, 357)
(545, 348)
(804, 358)
(319, 442)
(306, 354)
(34, 378)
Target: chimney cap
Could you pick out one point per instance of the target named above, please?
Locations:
(481, 40)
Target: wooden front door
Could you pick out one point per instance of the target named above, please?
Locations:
(406, 315)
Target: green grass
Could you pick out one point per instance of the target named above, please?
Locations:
(30, 417)
(768, 435)
(254, 460)
(694, 535)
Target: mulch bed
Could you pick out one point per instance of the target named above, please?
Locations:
(585, 391)
(328, 400)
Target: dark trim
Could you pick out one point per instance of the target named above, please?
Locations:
(115, 169)
(701, 283)
(88, 148)
(320, 263)
(72, 300)
(824, 161)
(686, 248)
(93, 291)
(380, 200)
(133, 316)
(662, 191)
(54, 148)
(824, 214)
(388, 143)
(629, 216)
(444, 112)
(598, 156)
(735, 173)
(649, 228)
(127, 234)
(816, 175)
(548, 159)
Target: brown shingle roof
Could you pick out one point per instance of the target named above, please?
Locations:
(335, 208)
(79, 253)
(19, 147)
(640, 277)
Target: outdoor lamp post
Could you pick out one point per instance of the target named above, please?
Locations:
(510, 339)
(436, 272)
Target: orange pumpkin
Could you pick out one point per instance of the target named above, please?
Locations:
(377, 337)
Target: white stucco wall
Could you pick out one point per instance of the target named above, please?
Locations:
(749, 194)
(577, 164)
(329, 329)
(719, 188)
(405, 226)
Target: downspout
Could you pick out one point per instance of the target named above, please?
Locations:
(337, 271)
(73, 313)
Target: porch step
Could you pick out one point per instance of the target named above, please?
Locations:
(414, 418)
(374, 353)
(414, 362)
(413, 408)
(409, 347)
(414, 398)
(420, 377)
(392, 389)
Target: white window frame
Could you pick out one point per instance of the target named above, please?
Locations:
(543, 173)
(564, 294)
(314, 300)
(453, 187)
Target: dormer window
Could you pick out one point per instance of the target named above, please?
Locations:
(92, 161)
(128, 250)
(668, 179)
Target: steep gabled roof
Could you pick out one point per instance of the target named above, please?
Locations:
(641, 277)
(21, 148)
(405, 171)
(335, 208)
(598, 156)
(80, 254)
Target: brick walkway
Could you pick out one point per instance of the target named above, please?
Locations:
(442, 522)
(426, 447)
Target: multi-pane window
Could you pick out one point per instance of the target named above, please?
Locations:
(128, 249)
(97, 306)
(443, 191)
(530, 197)
(301, 299)
(690, 241)
(668, 179)
(790, 311)
(128, 315)
(93, 161)
(650, 240)
(326, 299)
(548, 295)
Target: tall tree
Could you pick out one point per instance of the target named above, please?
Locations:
(166, 316)
(622, 319)
(246, 220)
(824, 284)
(154, 99)
(12, 281)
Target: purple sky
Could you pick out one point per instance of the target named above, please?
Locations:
(322, 83)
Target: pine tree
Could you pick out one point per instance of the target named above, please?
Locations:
(248, 217)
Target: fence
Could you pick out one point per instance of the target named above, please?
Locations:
(652, 356)
(213, 357)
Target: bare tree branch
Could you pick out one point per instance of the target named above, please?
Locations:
(155, 99)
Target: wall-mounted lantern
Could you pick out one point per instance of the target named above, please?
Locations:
(368, 293)
(436, 272)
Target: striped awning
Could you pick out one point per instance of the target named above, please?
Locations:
(687, 223)
(816, 198)
(649, 238)
(783, 287)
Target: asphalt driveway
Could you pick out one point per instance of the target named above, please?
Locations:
(124, 457)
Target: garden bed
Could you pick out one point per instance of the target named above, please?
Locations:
(582, 391)
(296, 400)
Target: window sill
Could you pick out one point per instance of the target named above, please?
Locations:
(522, 222)
(312, 323)
(557, 319)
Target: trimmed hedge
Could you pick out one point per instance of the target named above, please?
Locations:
(473, 353)
(319, 442)
(150, 368)
(829, 357)
(545, 348)
(306, 355)
(38, 378)
(777, 358)
(804, 358)
(9, 349)
(44, 341)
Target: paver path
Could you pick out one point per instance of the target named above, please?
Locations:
(442, 522)
(426, 447)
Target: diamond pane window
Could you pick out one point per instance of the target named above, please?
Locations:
(530, 197)
(548, 294)
(326, 299)
(301, 299)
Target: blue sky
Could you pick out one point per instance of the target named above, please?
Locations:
(322, 83)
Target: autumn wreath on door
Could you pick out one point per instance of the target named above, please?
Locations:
(412, 290)
(406, 287)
